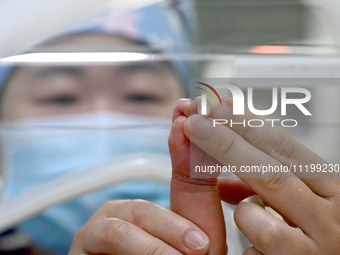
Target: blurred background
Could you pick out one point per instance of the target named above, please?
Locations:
(280, 40)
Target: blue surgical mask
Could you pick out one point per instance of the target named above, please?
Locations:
(39, 150)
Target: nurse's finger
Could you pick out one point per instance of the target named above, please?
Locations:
(286, 194)
(159, 222)
(268, 234)
(281, 147)
(233, 190)
(115, 236)
(252, 251)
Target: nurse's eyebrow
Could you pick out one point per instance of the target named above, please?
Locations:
(141, 67)
(58, 70)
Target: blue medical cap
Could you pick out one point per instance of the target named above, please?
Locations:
(5, 71)
(165, 26)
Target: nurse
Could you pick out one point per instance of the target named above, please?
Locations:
(91, 97)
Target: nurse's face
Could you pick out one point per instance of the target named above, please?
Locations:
(141, 87)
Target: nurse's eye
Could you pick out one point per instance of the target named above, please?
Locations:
(143, 98)
(61, 100)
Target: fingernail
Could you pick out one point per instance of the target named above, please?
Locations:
(221, 112)
(254, 199)
(200, 126)
(227, 99)
(195, 240)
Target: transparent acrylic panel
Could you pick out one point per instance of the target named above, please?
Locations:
(91, 85)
